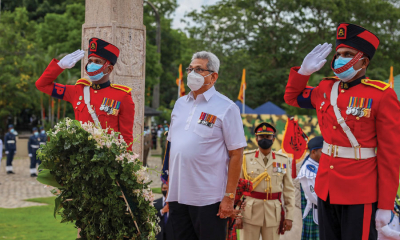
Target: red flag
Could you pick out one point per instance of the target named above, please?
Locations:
(294, 142)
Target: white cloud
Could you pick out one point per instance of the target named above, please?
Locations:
(186, 6)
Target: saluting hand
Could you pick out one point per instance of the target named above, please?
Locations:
(315, 60)
(71, 59)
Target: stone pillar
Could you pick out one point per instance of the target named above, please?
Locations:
(120, 22)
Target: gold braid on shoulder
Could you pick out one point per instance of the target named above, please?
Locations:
(258, 179)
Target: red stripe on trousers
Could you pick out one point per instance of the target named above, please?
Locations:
(366, 220)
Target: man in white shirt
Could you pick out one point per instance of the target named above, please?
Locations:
(309, 199)
(207, 141)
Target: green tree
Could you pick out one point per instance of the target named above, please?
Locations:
(17, 57)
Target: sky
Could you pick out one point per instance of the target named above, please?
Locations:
(186, 6)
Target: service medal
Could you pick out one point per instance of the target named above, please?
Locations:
(354, 111)
(279, 170)
(362, 113)
(102, 107)
(348, 111)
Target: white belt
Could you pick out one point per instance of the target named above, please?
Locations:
(11, 141)
(34, 146)
(356, 153)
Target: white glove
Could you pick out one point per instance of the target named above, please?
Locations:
(71, 59)
(7, 152)
(315, 60)
(30, 154)
(382, 218)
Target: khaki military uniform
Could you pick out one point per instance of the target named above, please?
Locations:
(262, 216)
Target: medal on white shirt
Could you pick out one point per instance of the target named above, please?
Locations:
(207, 119)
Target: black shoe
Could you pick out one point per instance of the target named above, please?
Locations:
(33, 175)
(10, 172)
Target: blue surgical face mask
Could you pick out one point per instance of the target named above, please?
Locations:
(36, 133)
(349, 73)
(12, 130)
(43, 132)
(92, 67)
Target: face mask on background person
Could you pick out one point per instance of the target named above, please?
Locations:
(349, 73)
(195, 81)
(92, 67)
(265, 143)
(36, 133)
(12, 130)
(43, 132)
(164, 193)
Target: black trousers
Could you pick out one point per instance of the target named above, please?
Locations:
(195, 223)
(346, 222)
(33, 160)
(10, 157)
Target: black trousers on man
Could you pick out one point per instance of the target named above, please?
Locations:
(187, 222)
(346, 222)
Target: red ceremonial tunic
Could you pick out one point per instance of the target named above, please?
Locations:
(121, 122)
(350, 181)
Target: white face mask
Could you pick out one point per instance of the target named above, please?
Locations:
(195, 81)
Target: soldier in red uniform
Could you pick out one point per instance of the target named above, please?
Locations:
(359, 118)
(99, 101)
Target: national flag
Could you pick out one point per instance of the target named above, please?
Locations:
(243, 86)
(164, 171)
(180, 83)
(391, 78)
(294, 142)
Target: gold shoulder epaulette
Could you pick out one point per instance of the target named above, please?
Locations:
(121, 87)
(83, 82)
(281, 154)
(250, 151)
(376, 84)
(331, 78)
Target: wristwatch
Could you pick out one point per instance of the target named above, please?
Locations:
(230, 195)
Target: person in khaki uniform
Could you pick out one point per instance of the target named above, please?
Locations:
(270, 173)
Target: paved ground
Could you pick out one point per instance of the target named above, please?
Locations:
(16, 188)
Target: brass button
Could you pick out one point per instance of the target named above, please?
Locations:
(320, 108)
(280, 203)
(251, 171)
(331, 166)
(265, 190)
(358, 118)
(342, 91)
(279, 174)
(95, 91)
(76, 107)
(265, 200)
(366, 80)
(265, 179)
(108, 114)
(334, 127)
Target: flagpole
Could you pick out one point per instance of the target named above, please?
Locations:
(244, 98)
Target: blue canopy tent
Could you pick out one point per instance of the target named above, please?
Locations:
(247, 109)
(269, 108)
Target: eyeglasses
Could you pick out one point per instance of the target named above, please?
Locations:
(197, 70)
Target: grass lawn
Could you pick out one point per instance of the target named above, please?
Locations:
(34, 223)
(37, 223)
